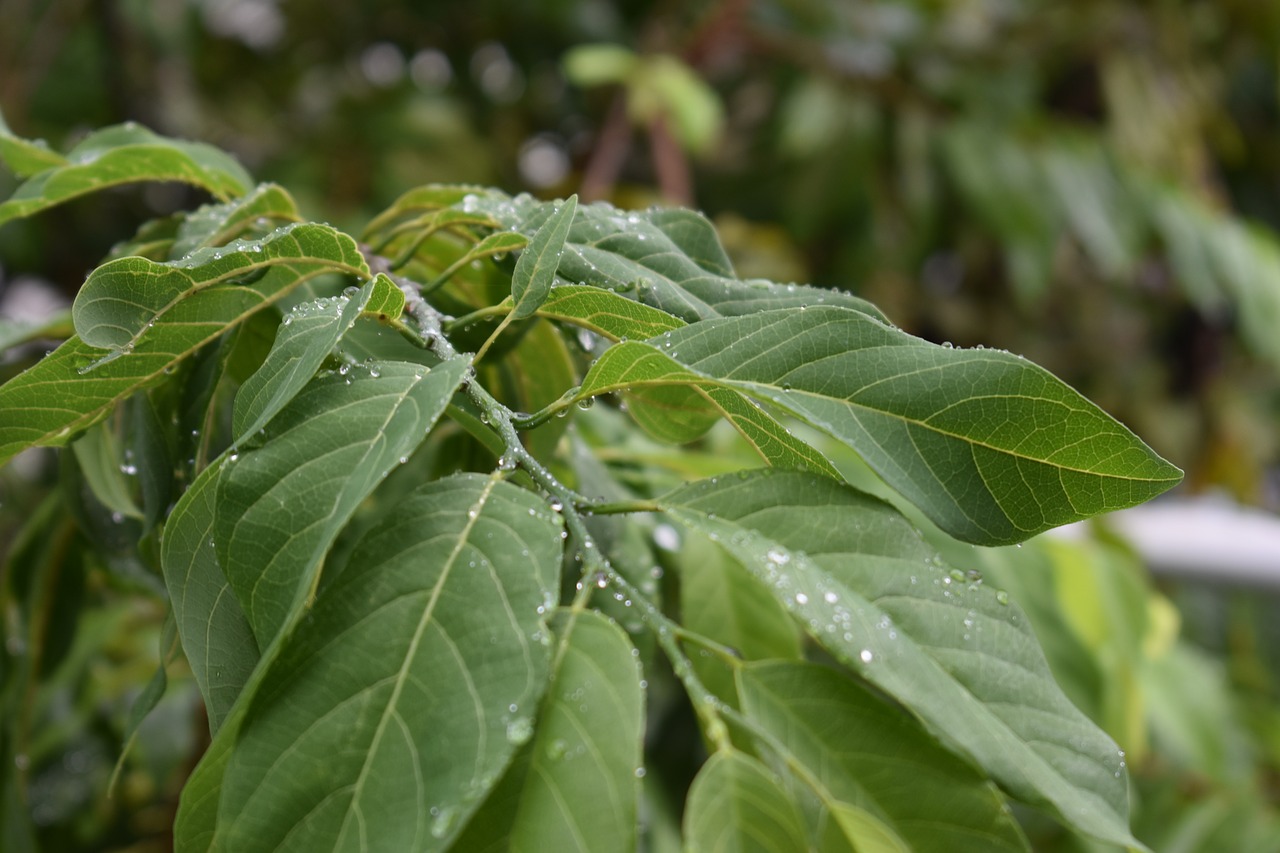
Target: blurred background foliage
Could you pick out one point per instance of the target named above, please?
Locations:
(1095, 185)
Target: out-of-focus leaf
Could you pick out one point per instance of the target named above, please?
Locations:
(26, 157)
(735, 804)
(123, 154)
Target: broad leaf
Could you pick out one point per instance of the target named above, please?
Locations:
(123, 154)
(866, 586)
(576, 789)
(78, 384)
(993, 448)
(735, 804)
(280, 506)
(606, 313)
(215, 634)
(669, 259)
(391, 711)
(860, 751)
(536, 269)
(308, 334)
(123, 299)
(260, 210)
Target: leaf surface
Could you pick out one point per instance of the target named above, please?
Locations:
(280, 506)
(735, 804)
(993, 448)
(536, 269)
(121, 154)
(860, 751)
(860, 578)
(391, 711)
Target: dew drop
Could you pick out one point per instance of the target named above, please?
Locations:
(778, 557)
(801, 598)
(1002, 597)
(866, 655)
(519, 730)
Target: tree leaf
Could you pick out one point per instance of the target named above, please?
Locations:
(216, 637)
(123, 299)
(860, 751)
(391, 711)
(536, 268)
(280, 506)
(867, 587)
(216, 224)
(308, 334)
(606, 313)
(75, 386)
(26, 157)
(581, 792)
(671, 260)
(736, 805)
(993, 448)
(122, 154)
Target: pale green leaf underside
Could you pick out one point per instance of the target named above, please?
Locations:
(735, 805)
(993, 448)
(123, 299)
(606, 313)
(118, 155)
(859, 577)
(279, 507)
(392, 710)
(862, 752)
(536, 269)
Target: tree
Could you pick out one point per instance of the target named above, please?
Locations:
(434, 598)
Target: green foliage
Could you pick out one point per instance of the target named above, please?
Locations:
(412, 567)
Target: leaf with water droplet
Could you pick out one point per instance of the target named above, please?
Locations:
(536, 269)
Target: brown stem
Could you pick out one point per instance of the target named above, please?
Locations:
(610, 152)
(671, 164)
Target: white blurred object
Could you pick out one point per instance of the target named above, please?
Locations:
(1206, 538)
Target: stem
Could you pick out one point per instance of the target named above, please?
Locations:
(621, 507)
(476, 316)
(484, 348)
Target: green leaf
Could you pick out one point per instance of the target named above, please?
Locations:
(536, 268)
(866, 586)
(858, 750)
(76, 386)
(993, 448)
(307, 336)
(280, 506)
(606, 313)
(389, 714)
(98, 455)
(124, 299)
(124, 154)
(215, 634)
(261, 209)
(26, 157)
(581, 792)
(668, 259)
(735, 804)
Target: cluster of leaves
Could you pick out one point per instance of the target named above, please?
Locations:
(420, 597)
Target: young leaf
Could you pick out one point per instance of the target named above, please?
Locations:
(124, 154)
(307, 336)
(280, 506)
(536, 269)
(993, 448)
(606, 313)
(123, 299)
(390, 712)
(860, 751)
(735, 803)
(216, 637)
(856, 572)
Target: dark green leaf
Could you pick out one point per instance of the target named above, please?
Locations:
(536, 269)
(993, 448)
(866, 586)
(280, 506)
(394, 706)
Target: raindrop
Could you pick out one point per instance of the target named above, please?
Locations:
(586, 403)
(778, 557)
(866, 655)
(444, 821)
(801, 598)
(1002, 597)
(830, 597)
(519, 730)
